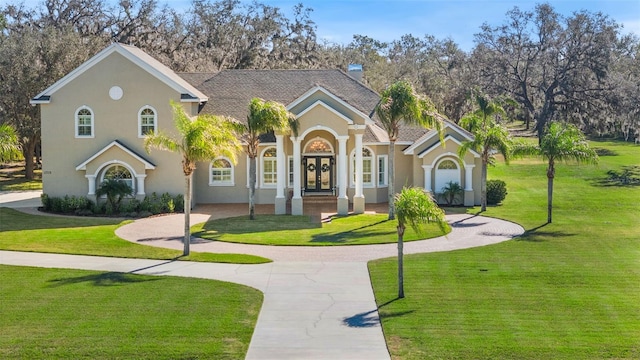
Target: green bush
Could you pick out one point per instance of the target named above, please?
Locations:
(67, 204)
(496, 191)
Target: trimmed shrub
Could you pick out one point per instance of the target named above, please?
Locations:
(496, 191)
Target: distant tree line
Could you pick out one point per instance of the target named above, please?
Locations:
(578, 69)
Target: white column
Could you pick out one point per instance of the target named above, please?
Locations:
(281, 176)
(140, 184)
(280, 201)
(343, 174)
(468, 177)
(296, 201)
(296, 167)
(91, 179)
(427, 177)
(358, 165)
(358, 198)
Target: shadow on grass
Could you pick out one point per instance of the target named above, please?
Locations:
(347, 236)
(212, 230)
(103, 279)
(112, 278)
(537, 235)
(13, 220)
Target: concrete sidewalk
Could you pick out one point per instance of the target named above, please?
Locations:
(318, 301)
(311, 310)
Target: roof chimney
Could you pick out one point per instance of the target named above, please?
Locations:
(355, 71)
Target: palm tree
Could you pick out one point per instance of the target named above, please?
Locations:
(115, 190)
(563, 142)
(399, 104)
(414, 207)
(9, 144)
(264, 117)
(490, 138)
(201, 139)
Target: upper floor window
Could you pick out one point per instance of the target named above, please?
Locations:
(84, 123)
(221, 172)
(269, 167)
(146, 121)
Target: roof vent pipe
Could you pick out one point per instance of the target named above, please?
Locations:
(355, 71)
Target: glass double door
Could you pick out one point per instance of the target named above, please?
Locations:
(318, 173)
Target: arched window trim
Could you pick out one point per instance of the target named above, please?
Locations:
(155, 120)
(90, 125)
(103, 171)
(317, 138)
(273, 173)
(214, 182)
(372, 173)
(455, 163)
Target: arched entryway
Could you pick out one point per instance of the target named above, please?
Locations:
(447, 170)
(318, 161)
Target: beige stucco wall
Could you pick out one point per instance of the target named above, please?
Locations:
(113, 120)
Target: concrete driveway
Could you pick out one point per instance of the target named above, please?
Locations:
(318, 301)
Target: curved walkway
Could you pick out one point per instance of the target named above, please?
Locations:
(166, 231)
(318, 301)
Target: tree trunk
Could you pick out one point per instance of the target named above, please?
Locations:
(28, 151)
(483, 186)
(187, 214)
(392, 177)
(400, 261)
(252, 188)
(550, 176)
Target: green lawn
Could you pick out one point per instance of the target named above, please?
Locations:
(300, 230)
(72, 314)
(12, 178)
(567, 290)
(89, 236)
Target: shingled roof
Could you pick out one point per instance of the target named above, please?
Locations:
(230, 92)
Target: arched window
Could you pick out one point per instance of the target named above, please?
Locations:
(269, 169)
(119, 173)
(84, 123)
(447, 165)
(221, 172)
(146, 121)
(367, 167)
(318, 146)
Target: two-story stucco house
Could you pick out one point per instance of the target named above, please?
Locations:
(94, 120)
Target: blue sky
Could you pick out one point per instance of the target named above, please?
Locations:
(387, 20)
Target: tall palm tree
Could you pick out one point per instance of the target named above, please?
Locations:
(400, 104)
(563, 142)
(201, 139)
(414, 207)
(9, 144)
(490, 138)
(264, 117)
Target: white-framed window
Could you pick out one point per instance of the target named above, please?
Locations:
(367, 167)
(120, 173)
(383, 171)
(84, 122)
(269, 168)
(221, 172)
(290, 171)
(147, 121)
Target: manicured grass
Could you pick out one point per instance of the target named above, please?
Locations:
(12, 178)
(89, 236)
(300, 230)
(566, 290)
(72, 314)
